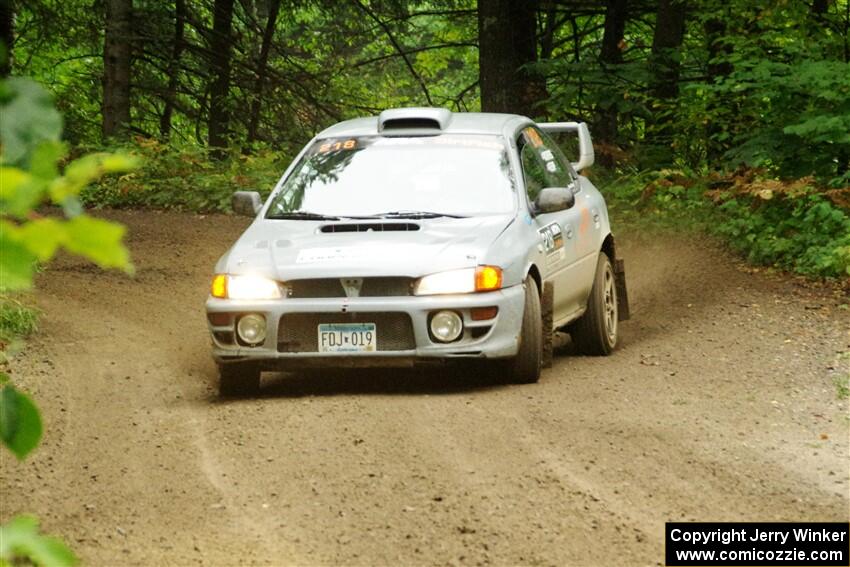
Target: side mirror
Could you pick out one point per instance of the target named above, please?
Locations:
(554, 199)
(246, 203)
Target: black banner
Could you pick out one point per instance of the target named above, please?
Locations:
(757, 543)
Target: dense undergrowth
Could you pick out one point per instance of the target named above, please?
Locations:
(798, 226)
(795, 226)
(186, 178)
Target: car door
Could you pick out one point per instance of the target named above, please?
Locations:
(543, 166)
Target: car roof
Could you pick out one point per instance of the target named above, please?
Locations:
(449, 123)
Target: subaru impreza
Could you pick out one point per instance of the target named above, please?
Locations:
(420, 236)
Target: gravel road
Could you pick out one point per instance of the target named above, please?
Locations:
(720, 405)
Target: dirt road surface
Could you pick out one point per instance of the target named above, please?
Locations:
(721, 405)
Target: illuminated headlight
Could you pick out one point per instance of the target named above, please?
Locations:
(446, 326)
(467, 280)
(244, 287)
(252, 328)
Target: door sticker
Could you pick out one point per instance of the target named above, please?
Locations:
(553, 238)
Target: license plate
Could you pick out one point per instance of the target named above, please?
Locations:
(348, 337)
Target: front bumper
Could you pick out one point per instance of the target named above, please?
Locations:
(493, 338)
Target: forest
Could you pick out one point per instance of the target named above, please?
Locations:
(731, 114)
(737, 110)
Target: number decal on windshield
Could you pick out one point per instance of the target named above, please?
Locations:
(337, 146)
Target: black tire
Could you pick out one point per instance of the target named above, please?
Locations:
(238, 379)
(525, 367)
(547, 315)
(596, 332)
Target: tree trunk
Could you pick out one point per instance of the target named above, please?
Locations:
(7, 32)
(550, 24)
(664, 63)
(506, 42)
(819, 7)
(718, 67)
(605, 122)
(262, 68)
(220, 47)
(666, 43)
(116, 68)
(173, 66)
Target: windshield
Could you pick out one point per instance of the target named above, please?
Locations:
(455, 175)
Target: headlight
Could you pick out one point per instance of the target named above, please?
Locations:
(466, 280)
(244, 287)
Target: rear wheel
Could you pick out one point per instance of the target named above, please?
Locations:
(238, 379)
(524, 368)
(596, 332)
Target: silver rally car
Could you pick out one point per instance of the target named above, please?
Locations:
(420, 235)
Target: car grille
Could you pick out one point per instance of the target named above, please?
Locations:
(299, 332)
(332, 287)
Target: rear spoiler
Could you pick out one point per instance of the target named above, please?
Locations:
(585, 145)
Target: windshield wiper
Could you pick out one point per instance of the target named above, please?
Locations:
(302, 215)
(417, 215)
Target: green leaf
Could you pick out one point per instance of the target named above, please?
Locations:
(42, 237)
(87, 169)
(99, 241)
(17, 264)
(20, 192)
(28, 120)
(20, 539)
(11, 178)
(20, 423)
(44, 158)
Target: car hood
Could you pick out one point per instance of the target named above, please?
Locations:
(286, 249)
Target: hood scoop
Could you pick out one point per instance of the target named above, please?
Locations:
(371, 227)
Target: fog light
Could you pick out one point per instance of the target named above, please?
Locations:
(251, 329)
(446, 326)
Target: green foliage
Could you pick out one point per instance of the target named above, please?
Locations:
(807, 235)
(20, 423)
(328, 61)
(187, 179)
(658, 199)
(800, 231)
(800, 114)
(29, 177)
(28, 119)
(20, 539)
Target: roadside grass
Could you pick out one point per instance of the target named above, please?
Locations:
(842, 387)
(17, 322)
(842, 381)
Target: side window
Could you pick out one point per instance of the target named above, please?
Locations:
(543, 164)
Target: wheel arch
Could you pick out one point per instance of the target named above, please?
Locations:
(534, 273)
(609, 247)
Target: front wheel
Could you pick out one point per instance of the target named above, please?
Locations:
(524, 368)
(238, 379)
(596, 332)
